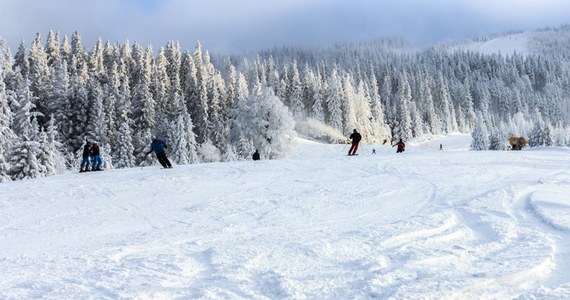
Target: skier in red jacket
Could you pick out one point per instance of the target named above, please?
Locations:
(401, 146)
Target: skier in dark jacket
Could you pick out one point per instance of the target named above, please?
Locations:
(86, 157)
(96, 166)
(401, 146)
(355, 137)
(256, 155)
(158, 147)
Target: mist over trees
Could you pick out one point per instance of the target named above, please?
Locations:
(56, 93)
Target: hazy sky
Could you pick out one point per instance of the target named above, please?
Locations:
(236, 25)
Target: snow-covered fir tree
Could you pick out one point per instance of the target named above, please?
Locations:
(7, 135)
(334, 101)
(123, 156)
(269, 125)
(184, 146)
(209, 153)
(24, 162)
(480, 134)
(541, 134)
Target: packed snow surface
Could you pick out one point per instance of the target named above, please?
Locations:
(425, 224)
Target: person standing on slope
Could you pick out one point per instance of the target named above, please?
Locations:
(86, 157)
(355, 137)
(96, 166)
(401, 146)
(255, 155)
(158, 147)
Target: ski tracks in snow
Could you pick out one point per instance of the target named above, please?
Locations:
(430, 225)
(496, 233)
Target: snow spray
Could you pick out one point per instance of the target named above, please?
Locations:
(313, 127)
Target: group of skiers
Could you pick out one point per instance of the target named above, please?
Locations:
(355, 137)
(91, 158)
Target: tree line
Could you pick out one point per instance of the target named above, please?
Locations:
(57, 94)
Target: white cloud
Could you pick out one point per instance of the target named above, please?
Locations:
(234, 25)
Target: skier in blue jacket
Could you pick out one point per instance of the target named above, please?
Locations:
(158, 147)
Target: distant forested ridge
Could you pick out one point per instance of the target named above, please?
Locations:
(56, 93)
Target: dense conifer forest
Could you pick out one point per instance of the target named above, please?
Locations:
(56, 93)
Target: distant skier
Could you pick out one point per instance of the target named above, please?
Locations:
(373, 151)
(95, 152)
(256, 155)
(86, 157)
(401, 146)
(158, 147)
(355, 137)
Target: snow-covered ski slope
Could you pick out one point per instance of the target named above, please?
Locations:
(505, 45)
(425, 224)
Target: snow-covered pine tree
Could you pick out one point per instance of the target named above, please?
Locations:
(123, 152)
(272, 75)
(173, 70)
(96, 129)
(480, 134)
(65, 50)
(317, 110)
(199, 103)
(230, 153)
(269, 125)
(416, 120)
(26, 109)
(96, 62)
(467, 108)
(183, 138)
(348, 106)
(55, 147)
(24, 153)
(111, 92)
(497, 138)
(52, 49)
(363, 113)
(24, 160)
(240, 107)
(46, 156)
(21, 62)
(334, 101)
(59, 96)
(209, 153)
(39, 77)
(77, 55)
(160, 89)
(541, 134)
(295, 92)
(308, 83)
(229, 101)
(403, 123)
(144, 107)
(7, 135)
(443, 105)
(381, 131)
(216, 125)
(78, 113)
